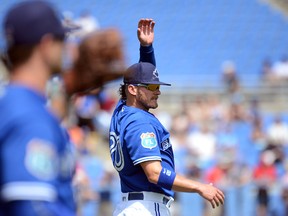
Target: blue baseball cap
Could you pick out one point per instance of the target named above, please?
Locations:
(143, 73)
(27, 22)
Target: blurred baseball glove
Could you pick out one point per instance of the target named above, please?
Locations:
(100, 60)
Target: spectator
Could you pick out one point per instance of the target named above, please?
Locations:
(265, 175)
(280, 70)
(278, 132)
(216, 109)
(254, 109)
(267, 74)
(227, 141)
(258, 135)
(237, 113)
(229, 76)
(179, 138)
(202, 144)
(197, 111)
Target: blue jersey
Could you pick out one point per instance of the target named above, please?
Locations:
(137, 136)
(36, 159)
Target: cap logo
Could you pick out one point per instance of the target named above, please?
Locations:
(155, 74)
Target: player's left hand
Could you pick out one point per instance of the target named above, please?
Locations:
(212, 194)
(100, 59)
(145, 31)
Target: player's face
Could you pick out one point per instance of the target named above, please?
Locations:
(147, 99)
(52, 53)
(56, 59)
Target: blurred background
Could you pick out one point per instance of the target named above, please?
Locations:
(227, 109)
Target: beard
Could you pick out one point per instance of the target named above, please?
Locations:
(147, 103)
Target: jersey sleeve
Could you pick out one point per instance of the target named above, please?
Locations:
(147, 54)
(142, 143)
(32, 171)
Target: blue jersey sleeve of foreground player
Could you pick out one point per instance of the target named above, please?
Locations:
(36, 208)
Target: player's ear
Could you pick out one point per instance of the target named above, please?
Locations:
(50, 49)
(46, 42)
(132, 89)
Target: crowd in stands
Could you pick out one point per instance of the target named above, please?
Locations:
(275, 73)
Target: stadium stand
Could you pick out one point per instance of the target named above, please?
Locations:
(195, 37)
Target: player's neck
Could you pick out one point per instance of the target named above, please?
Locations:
(34, 74)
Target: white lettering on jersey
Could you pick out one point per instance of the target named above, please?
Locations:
(166, 144)
(116, 152)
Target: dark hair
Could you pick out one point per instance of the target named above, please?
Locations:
(17, 55)
(122, 92)
(20, 53)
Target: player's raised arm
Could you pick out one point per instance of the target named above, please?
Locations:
(145, 34)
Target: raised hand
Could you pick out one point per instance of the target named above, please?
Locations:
(145, 31)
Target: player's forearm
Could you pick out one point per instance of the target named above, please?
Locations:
(182, 184)
(147, 54)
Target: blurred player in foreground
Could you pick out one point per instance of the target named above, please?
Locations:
(141, 150)
(36, 163)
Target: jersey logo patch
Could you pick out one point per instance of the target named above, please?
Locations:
(41, 160)
(148, 140)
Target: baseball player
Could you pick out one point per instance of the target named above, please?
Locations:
(36, 169)
(141, 151)
(37, 164)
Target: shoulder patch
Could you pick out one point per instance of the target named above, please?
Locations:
(166, 144)
(41, 159)
(148, 140)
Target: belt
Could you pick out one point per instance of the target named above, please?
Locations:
(148, 196)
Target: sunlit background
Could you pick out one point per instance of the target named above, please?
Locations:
(227, 109)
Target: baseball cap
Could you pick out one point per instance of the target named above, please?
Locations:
(27, 22)
(143, 73)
